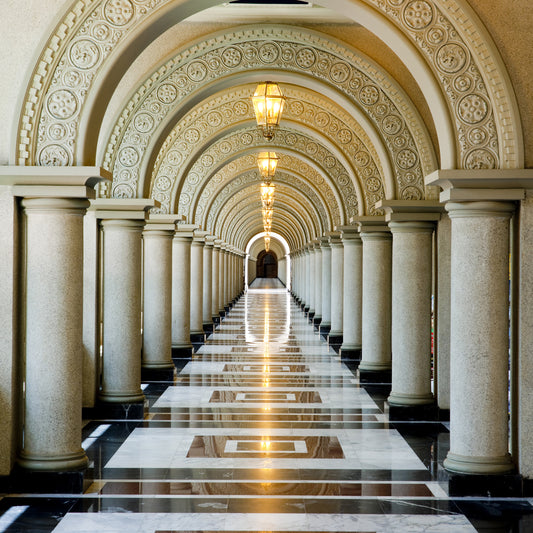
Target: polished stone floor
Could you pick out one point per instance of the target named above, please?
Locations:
(264, 430)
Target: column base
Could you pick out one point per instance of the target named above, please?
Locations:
(222, 314)
(227, 308)
(216, 320)
(306, 309)
(119, 410)
(316, 321)
(157, 374)
(208, 328)
(482, 466)
(23, 480)
(350, 354)
(310, 316)
(180, 352)
(72, 462)
(486, 486)
(418, 412)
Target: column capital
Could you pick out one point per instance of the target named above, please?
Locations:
(480, 185)
(480, 209)
(210, 241)
(370, 224)
(160, 222)
(58, 182)
(317, 243)
(217, 243)
(199, 236)
(411, 210)
(122, 209)
(185, 231)
(334, 238)
(324, 242)
(349, 233)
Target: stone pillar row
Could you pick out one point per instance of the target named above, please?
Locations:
(158, 285)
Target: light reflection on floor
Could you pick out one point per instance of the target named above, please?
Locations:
(265, 429)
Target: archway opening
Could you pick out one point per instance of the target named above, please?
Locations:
(267, 264)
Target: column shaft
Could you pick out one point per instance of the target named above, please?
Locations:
(181, 295)
(337, 277)
(325, 324)
(376, 327)
(53, 362)
(479, 338)
(411, 313)
(197, 280)
(207, 305)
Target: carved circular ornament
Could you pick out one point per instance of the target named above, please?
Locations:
(123, 190)
(406, 159)
(167, 93)
(418, 14)
(118, 12)
(128, 156)
(54, 155)
(480, 159)
(305, 58)
(144, 122)
(231, 57)
(268, 52)
(369, 95)
(84, 54)
(451, 58)
(339, 72)
(62, 104)
(473, 108)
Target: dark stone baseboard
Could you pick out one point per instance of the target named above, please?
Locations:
(179, 352)
(335, 340)
(316, 321)
(208, 328)
(486, 486)
(157, 374)
(227, 309)
(198, 338)
(222, 315)
(306, 309)
(444, 415)
(216, 320)
(376, 377)
(23, 480)
(180, 362)
(349, 354)
(119, 411)
(427, 411)
(323, 331)
(310, 316)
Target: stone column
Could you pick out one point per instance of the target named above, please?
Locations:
(318, 285)
(312, 284)
(443, 314)
(325, 324)
(353, 292)
(181, 292)
(207, 304)
(215, 288)
(221, 280)
(411, 395)
(122, 223)
(375, 366)
(337, 277)
(197, 290)
(225, 288)
(157, 287)
(307, 279)
(53, 363)
(479, 347)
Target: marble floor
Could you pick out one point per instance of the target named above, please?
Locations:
(265, 429)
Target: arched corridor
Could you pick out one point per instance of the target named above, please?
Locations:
(164, 162)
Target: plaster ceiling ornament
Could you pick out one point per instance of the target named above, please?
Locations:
(381, 105)
(293, 171)
(176, 153)
(443, 31)
(184, 190)
(228, 221)
(287, 184)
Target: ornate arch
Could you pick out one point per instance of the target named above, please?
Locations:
(87, 44)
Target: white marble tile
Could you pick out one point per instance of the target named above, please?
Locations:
(149, 522)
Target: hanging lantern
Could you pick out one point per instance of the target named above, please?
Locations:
(267, 195)
(267, 243)
(268, 102)
(267, 216)
(267, 163)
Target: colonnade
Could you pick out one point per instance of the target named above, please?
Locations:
(390, 279)
(112, 293)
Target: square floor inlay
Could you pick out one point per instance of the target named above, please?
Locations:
(229, 396)
(296, 447)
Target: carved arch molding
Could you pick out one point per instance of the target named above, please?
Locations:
(472, 81)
